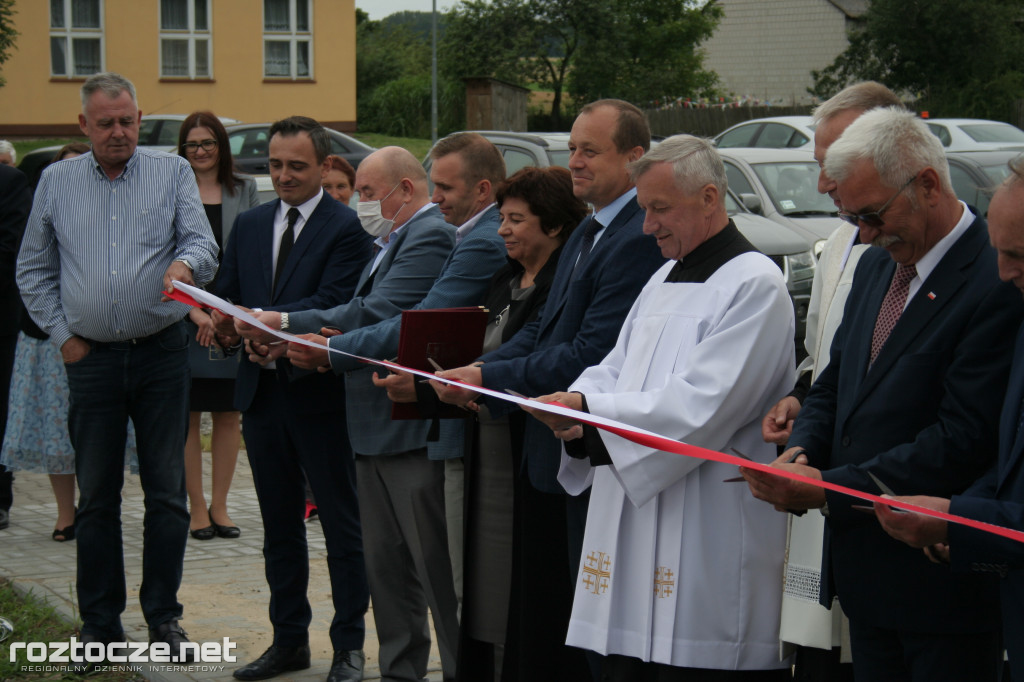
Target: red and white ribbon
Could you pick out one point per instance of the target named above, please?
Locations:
(195, 296)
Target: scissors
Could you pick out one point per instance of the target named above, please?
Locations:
(736, 452)
(886, 490)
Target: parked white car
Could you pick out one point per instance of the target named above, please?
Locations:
(975, 134)
(779, 132)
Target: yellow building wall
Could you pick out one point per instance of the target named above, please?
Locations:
(34, 103)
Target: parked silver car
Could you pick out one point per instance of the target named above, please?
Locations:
(250, 145)
(782, 185)
(784, 246)
(161, 130)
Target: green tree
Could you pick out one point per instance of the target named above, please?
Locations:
(645, 50)
(632, 49)
(7, 33)
(959, 58)
(393, 78)
(526, 42)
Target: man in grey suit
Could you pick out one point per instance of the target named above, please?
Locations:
(400, 490)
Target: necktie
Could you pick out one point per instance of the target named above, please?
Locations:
(892, 307)
(591, 228)
(287, 240)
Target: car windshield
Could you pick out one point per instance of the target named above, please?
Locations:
(731, 206)
(994, 132)
(793, 188)
(559, 158)
(997, 173)
(146, 128)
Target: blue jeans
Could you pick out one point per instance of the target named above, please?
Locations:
(149, 382)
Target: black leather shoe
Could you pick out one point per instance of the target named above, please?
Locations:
(172, 634)
(86, 667)
(207, 533)
(5, 518)
(274, 661)
(347, 666)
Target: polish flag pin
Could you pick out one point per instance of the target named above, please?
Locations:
(931, 295)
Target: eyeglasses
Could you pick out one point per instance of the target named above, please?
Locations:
(193, 147)
(874, 219)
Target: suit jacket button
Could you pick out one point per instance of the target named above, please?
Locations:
(846, 441)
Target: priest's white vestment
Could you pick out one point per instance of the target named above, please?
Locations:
(679, 567)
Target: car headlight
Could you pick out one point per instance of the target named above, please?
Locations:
(800, 266)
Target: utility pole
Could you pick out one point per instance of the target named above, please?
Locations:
(433, 75)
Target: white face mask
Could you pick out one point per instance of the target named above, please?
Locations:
(372, 218)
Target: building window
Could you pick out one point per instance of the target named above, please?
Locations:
(287, 39)
(76, 37)
(185, 39)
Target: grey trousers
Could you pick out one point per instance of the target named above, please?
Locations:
(405, 542)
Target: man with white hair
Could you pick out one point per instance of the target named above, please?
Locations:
(816, 631)
(997, 497)
(911, 395)
(8, 154)
(680, 572)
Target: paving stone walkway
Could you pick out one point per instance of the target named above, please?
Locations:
(223, 590)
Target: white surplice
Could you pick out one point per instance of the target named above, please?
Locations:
(679, 567)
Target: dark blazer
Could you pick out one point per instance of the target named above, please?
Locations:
(519, 314)
(577, 327)
(406, 273)
(998, 498)
(321, 272)
(15, 205)
(923, 419)
(231, 205)
(463, 282)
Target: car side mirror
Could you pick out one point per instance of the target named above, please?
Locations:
(752, 202)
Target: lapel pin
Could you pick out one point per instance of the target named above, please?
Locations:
(931, 295)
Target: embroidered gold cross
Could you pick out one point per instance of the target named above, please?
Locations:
(596, 572)
(664, 581)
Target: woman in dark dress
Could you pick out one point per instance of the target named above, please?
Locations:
(203, 142)
(513, 625)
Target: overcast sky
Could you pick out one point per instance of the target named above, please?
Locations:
(378, 9)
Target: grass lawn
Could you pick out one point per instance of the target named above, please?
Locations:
(35, 621)
(417, 146)
(23, 147)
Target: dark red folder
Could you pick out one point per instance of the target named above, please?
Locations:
(451, 337)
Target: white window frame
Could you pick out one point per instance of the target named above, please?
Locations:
(192, 36)
(293, 37)
(69, 34)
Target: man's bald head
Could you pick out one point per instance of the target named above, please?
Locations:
(395, 163)
(394, 177)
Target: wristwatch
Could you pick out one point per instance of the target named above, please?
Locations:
(284, 322)
(187, 264)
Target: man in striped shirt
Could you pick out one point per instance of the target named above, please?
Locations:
(108, 233)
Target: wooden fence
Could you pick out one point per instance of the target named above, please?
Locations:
(711, 121)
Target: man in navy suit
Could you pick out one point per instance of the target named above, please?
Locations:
(997, 497)
(911, 394)
(603, 267)
(302, 251)
(401, 475)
